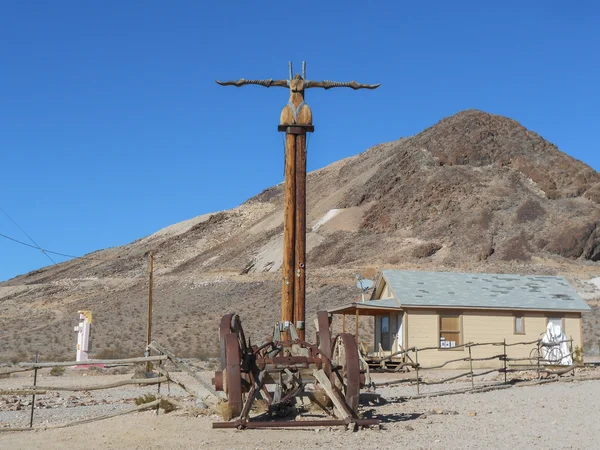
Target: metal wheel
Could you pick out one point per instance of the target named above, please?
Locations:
(224, 329)
(231, 323)
(233, 375)
(345, 357)
(534, 356)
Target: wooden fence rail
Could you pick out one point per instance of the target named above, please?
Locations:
(163, 377)
(539, 364)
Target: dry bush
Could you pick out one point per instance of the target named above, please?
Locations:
(529, 211)
(58, 371)
(224, 411)
(426, 250)
(146, 398)
(260, 406)
(167, 406)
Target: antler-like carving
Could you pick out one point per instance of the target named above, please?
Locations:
(266, 83)
(326, 84)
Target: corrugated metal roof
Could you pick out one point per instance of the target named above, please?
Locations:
(480, 290)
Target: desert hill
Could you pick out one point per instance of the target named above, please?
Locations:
(474, 192)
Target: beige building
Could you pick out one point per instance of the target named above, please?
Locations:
(444, 310)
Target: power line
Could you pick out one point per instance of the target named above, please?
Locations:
(29, 237)
(53, 252)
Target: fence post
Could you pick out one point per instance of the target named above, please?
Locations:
(417, 368)
(158, 386)
(505, 356)
(572, 354)
(33, 396)
(539, 357)
(471, 366)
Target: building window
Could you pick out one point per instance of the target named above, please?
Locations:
(519, 325)
(450, 330)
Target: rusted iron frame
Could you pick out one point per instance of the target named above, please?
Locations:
(296, 423)
(233, 374)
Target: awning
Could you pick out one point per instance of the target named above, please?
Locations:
(368, 308)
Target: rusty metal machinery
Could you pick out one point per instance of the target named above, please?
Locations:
(286, 369)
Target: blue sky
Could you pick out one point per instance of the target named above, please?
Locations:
(111, 125)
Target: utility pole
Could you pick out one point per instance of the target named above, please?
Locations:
(295, 121)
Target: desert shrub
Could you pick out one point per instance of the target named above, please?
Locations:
(58, 371)
(146, 398)
(426, 250)
(578, 355)
(224, 411)
(167, 406)
(529, 211)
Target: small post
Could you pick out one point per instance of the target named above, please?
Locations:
(158, 387)
(572, 354)
(149, 333)
(539, 357)
(417, 368)
(357, 325)
(343, 323)
(505, 356)
(471, 366)
(33, 396)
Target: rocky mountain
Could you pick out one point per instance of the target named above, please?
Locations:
(474, 192)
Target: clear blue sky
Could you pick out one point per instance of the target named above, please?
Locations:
(111, 126)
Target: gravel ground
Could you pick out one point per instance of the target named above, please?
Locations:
(557, 415)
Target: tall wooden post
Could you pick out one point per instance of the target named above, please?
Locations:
(295, 121)
(300, 236)
(289, 219)
(149, 329)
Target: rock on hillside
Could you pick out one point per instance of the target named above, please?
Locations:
(474, 192)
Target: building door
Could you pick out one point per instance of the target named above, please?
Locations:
(400, 335)
(384, 337)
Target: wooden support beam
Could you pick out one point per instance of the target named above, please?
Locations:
(289, 229)
(341, 407)
(300, 237)
(357, 325)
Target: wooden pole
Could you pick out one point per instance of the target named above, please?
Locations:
(158, 388)
(289, 228)
(471, 367)
(356, 325)
(539, 357)
(300, 237)
(417, 368)
(505, 356)
(149, 329)
(33, 396)
(572, 355)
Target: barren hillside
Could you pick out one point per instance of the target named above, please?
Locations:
(475, 192)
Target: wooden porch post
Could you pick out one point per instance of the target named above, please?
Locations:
(357, 325)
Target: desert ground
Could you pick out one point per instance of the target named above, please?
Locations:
(556, 415)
